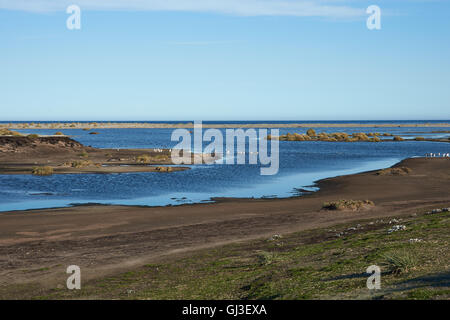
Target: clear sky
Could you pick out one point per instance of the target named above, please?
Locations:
(224, 60)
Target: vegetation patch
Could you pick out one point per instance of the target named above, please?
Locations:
(397, 171)
(42, 171)
(7, 132)
(79, 164)
(348, 205)
(399, 261)
(327, 263)
(164, 169)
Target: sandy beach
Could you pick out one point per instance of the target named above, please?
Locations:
(108, 239)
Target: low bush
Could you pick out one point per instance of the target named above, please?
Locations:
(347, 205)
(144, 158)
(311, 132)
(398, 262)
(79, 163)
(397, 171)
(42, 171)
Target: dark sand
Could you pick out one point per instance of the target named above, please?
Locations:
(37, 245)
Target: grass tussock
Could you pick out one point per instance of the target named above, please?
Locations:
(419, 138)
(311, 132)
(399, 261)
(164, 169)
(79, 164)
(84, 154)
(42, 171)
(33, 136)
(398, 138)
(59, 133)
(353, 205)
(311, 135)
(397, 171)
(7, 132)
(144, 158)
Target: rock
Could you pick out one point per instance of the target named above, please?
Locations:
(397, 227)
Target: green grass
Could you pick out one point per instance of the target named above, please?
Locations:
(316, 264)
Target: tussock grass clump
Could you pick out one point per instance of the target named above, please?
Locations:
(360, 136)
(265, 258)
(399, 261)
(397, 171)
(84, 154)
(164, 169)
(79, 164)
(7, 132)
(340, 136)
(419, 138)
(42, 171)
(59, 133)
(347, 205)
(33, 136)
(93, 132)
(329, 137)
(144, 158)
(387, 134)
(397, 138)
(311, 132)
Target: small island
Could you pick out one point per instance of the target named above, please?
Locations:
(59, 154)
(311, 135)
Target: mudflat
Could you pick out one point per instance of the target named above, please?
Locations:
(35, 245)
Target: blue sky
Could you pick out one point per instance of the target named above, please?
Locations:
(224, 60)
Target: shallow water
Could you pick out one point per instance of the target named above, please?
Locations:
(301, 163)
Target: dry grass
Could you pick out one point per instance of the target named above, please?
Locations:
(397, 138)
(144, 158)
(347, 205)
(164, 169)
(7, 132)
(42, 171)
(311, 132)
(79, 164)
(397, 171)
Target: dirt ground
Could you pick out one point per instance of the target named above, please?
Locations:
(38, 245)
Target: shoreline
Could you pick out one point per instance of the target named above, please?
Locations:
(40, 239)
(314, 184)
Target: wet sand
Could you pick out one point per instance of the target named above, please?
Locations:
(37, 245)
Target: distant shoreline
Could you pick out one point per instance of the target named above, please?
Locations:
(145, 125)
